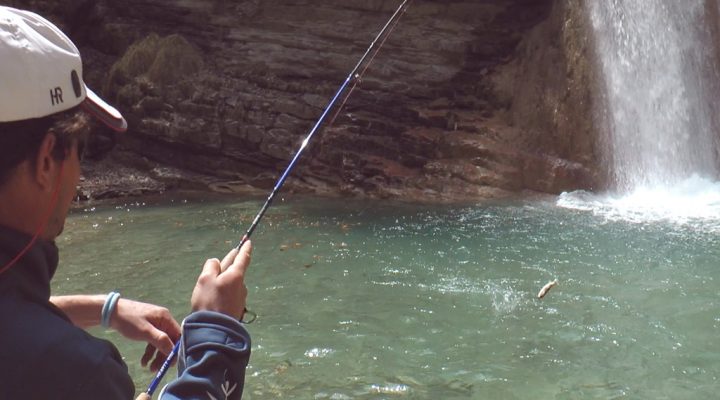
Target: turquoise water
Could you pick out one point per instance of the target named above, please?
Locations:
(373, 300)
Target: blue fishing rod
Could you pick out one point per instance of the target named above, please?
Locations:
(353, 77)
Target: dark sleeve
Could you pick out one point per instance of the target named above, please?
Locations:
(109, 381)
(214, 354)
(83, 369)
(44, 356)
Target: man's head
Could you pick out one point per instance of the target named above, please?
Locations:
(44, 108)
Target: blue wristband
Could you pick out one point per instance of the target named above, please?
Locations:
(108, 308)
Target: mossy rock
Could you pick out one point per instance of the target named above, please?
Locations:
(161, 61)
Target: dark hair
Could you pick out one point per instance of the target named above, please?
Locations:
(20, 140)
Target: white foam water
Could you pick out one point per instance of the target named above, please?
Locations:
(695, 200)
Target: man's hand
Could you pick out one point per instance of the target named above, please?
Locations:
(148, 323)
(134, 320)
(221, 285)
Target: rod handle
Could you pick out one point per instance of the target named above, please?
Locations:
(144, 396)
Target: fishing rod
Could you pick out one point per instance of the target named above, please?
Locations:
(354, 76)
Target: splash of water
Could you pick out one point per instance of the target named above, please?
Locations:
(693, 201)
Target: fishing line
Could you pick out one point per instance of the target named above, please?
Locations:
(353, 76)
(358, 78)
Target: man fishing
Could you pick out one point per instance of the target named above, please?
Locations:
(45, 353)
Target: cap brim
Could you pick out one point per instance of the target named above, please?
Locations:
(103, 111)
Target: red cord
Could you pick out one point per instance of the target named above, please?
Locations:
(41, 228)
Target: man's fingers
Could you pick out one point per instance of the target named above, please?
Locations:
(162, 342)
(155, 352)
(211, 267)
(228, 260)
(242, 260)
(165, 323)
(158, 361)
(147, 356)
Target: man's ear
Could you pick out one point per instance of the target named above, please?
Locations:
(46, 166)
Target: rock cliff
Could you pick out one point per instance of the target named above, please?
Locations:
(466, 100)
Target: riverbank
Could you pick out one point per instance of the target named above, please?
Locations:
(126, 175)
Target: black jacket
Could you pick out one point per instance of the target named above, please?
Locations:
(44, 356)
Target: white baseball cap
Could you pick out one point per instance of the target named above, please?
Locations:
(41, 72)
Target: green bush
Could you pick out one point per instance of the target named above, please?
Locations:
(160, 61)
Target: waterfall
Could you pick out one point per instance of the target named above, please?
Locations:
(658, 107)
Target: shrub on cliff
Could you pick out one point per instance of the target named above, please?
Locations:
(154, 61)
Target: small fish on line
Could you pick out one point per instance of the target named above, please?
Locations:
(545, 289)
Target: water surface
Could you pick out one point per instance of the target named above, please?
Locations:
(374, 300)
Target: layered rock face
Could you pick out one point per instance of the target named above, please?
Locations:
(466, 99)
